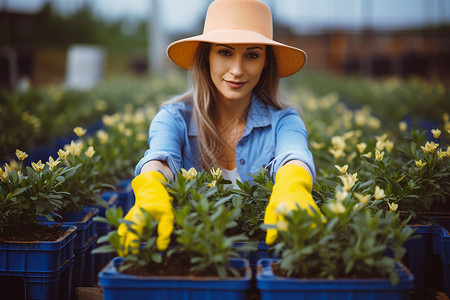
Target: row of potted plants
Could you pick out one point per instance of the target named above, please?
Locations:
(397, 172)
(361, 244)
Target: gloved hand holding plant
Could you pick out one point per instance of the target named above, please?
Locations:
(151, 196)
(292, 189)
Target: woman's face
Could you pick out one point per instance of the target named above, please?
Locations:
(235, 69)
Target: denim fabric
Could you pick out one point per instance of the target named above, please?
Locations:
(271, 138)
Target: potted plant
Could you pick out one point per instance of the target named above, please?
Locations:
(42, 256)
(85, 188)
(201, 258)
(348, 251)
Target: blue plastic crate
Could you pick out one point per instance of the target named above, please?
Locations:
(83, 220)
(102, 259)
(419, 252)
(124, 194)
(262, 251)
(37, 256)
(83, 268)
(441, 246)
(53, 285)
(120, 286)
(274, 287)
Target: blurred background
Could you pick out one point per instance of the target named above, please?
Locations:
(46, 42)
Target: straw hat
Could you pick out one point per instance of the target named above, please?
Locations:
(238, 22)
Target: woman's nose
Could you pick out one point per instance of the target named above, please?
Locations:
(236, 68)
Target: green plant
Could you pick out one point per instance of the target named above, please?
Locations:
(83, 182)
(349, 240)
(37, 192)
(252, 203)
(202, 226)
(110, 243)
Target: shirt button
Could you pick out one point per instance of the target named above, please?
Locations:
(242, 161)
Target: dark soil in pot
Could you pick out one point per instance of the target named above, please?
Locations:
(32, 232)
(175, 265)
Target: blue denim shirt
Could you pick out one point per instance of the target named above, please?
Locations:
(271, 138)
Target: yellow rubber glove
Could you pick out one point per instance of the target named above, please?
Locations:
(293, 186)
(152, 196)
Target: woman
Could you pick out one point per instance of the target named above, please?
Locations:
(234, 118)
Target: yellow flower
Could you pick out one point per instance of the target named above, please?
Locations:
(90, 152)
(102, 136)
(436, 133)
(343, 169)
(38, 167)
(420, 164)
(336, 153)
(52, 163)
(441, 154)
(341, 195)
(429, 147)
(389, 145)
(79, 131)
(373, 122)
(338, 143)
(348, 181)
(379, 155)
(403, 126)
(392, 206)
(379, 193)
(63, 154)
(21, 155)
(361, 147)
(282, 225)
(445, 117)
(189, 175)
(3, 175)
(212, 183)
(13, 165)
(381, 138)
(109, 120)
(74, 148)
(316, 145)
(362, 198)
(141, 137)
(8, 168)
(100, 105)
(368, 154)
(336, 207)
(216, 173)
(380, 145)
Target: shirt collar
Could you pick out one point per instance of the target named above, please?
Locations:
(258, 116)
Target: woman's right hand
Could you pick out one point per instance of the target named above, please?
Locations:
(151, 196)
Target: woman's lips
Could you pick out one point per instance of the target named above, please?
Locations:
(235, 84)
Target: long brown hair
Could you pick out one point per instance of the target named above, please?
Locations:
(203, 93)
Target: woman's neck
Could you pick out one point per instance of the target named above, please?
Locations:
(231, 113)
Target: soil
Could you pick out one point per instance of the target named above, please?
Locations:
(175, 265)
(282, 273)
(32, 232)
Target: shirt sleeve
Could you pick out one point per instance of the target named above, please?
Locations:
(292, 142)
(166, 139)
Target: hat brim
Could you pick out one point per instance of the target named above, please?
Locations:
(289, 59)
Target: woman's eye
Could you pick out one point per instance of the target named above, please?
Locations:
(224, 52)
(253, 55)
